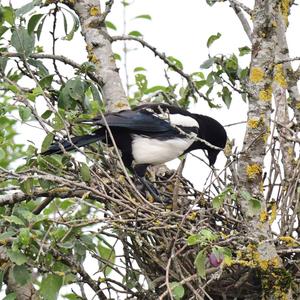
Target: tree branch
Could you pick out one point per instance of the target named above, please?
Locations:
(164, 58)
(100, 51)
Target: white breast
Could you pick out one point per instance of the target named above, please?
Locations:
(147, 150)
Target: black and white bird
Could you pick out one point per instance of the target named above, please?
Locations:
(152, 134)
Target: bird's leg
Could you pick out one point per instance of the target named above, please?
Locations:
(139, 171)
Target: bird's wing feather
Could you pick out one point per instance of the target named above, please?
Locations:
(142, 121)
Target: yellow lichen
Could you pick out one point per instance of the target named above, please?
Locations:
(276, 262)
(266, 135)
(261, 187)
(192, 216)
(256, 74)
(253, 170)
(279, 76)
(263, 216)
(285, 5)
(95, 11)
(290, 241)
(265, 94)
(93, 58)
(297, 105)
(290, 151)
(263, 263)
(228, 148)
(89, 48)
(120, 105)
(273, 213)
(227, 261)
(253, 123)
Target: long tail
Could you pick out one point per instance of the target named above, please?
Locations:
(77, 141)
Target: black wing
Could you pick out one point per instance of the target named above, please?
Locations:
(142, 121)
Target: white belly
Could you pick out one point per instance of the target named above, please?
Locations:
(152, 151)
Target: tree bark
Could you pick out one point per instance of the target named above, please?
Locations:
(251, 163)
(100, 52)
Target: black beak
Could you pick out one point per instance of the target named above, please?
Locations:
(212, 156)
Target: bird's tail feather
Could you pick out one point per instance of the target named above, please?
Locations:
(77, 141)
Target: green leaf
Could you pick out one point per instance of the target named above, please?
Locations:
(200, 263)
(22, 41)
(42, 70)
(217, 201)
(226, 96)
(46, 81)
(203, 237)
(117, 56)
(244, 50)
(21, 275)
(207, 234)
(155, 89)
(2, 154)
(17, 257)
(211, 2)
(212, 39)
(32, 23)
(24, 236)
(135, 33)
(110, 25)
(75, 26)
(3, 29)
(85, 172)
(254, 206)
(27, 7)
(27, 186)
(47, 141)
(246, 195)
(147, 17)
(175, 62)
(208, 63)
(76, 88)
(50, 286)
(139, 69)
(65, 23)
(13, 219)
(24, 113)
(72, 297)
(46, 114)
(10, 296)
(1, 279)
(58, 123)
(95, 93)
(40, 27)
(108, 254)
(177, 290)
(9, 15)
(6, 235)
(3, 63)
(193, 239)
(141, 82)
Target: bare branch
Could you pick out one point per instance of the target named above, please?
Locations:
(164, 58)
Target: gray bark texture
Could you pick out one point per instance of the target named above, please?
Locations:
(100, 52)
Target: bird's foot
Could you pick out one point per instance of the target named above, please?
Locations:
(152, 193)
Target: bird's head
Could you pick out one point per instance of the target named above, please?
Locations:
(213, 135)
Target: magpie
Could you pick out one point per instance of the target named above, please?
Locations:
(151, 134)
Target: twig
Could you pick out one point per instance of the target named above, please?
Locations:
(164, 58)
